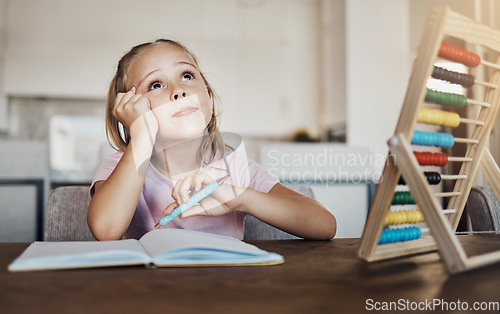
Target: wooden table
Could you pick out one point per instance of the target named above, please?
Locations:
(317, 277)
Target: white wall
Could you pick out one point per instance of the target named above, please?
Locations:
(378, 68)
(333, 104)
(262, 57)
(3, 99)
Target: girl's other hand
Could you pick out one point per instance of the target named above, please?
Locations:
(129, 107)
(225, 199)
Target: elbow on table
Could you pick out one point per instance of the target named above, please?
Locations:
(331, 230)
(323, 226)
(103, 232)
(325, 229)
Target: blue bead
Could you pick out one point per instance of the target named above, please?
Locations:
(390, 236)
(418, 233)
(432, 139)
(382, 240)
(404, 235)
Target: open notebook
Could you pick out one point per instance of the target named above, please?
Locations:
(161, 248)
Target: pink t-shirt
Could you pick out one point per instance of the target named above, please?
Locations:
(157, 189)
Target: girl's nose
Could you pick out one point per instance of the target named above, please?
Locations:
(178, 93)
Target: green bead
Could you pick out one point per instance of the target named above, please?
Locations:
(402, 198)
(446, 99)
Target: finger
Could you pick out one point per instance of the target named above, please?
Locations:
(118, 103)
(184, 189)
(148, 102)
(141, 102)
(177, 191)
(201, 180)
(196, 210)
(126, 97)
(170, 208)
(118, 98)
(135, 98)
(197, 183)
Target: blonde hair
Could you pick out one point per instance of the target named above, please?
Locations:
(210, 144)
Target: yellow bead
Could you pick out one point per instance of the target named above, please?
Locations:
(403, 217)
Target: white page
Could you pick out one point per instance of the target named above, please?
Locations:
(55, 255)
(164, 240)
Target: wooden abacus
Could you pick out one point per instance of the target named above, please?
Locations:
(380, 239)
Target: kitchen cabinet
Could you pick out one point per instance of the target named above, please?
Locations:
(23, 190)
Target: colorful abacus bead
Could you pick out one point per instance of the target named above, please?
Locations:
(460, 55)
(446, 99)
(403, 217)
(431, 159)
(432, 177)
(414, 216)
(438, 117)
(399, 235)
(424, 138)
(466, 80)
(402, 198)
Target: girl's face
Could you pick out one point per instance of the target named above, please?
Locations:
(168, 77)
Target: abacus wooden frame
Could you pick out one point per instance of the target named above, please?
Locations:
(441, 22)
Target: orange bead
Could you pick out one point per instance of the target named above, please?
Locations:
(457, 54)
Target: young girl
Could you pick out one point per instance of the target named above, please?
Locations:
(170, 147)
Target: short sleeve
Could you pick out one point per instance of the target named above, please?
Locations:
(260, 179)
(247, 173)
(105, 168)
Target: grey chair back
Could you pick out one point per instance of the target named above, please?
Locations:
(66, 215)
(483, 208)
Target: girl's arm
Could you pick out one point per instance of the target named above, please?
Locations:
(290, 211)
(115, 199)
(282, 207)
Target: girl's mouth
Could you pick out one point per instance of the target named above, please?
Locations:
(184, 112)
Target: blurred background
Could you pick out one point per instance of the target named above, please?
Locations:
(332, 73)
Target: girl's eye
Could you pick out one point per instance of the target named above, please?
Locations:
(155, 85)
(187, 76)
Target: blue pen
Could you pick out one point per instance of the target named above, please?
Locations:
(195, 199)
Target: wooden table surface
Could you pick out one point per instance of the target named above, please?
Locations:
(317, 277)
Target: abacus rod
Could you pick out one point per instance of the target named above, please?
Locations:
(447, 194)
(478, 103)
(490, 64)
(423, 230)
(487, 84)
(444, 212)
(428, 230)
(460, 159)
(471, 121)
(466, 140)
(453, 177)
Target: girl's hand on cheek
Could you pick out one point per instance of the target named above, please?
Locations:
(129, 107)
